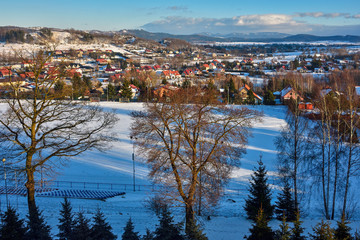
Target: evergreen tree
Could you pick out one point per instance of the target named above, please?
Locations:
(126, 90)
(322, 231)
(284, 233)
(250, 99)
(37, 227)
(101, 230)
(261, 230)
(342, 232)
(129, 233)
(232, 90)
(12, 227)
(196, 233)
(164, 81)
(260, 195)
(357, 236)
(59, 86)
(81, 229)
(148, 236)
(269, 98)
(186, 84)
(111, 91)
(297, 230)
(211, 85)
(66, 221)
(167, 230)
(285, 204)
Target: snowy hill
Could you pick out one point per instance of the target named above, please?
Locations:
(115, 166)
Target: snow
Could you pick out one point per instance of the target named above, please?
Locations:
(115, 166)
(315, 43)
(9, 48)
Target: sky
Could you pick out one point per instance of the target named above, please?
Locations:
(319, 17)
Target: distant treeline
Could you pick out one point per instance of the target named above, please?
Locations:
(12, 35)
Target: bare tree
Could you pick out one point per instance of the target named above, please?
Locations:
(181, 141)
(353, 154)
(293, 147)
(41, 127)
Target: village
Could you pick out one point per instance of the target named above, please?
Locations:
(139, 71)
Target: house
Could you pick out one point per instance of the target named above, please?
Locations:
(169, 74)
(306, 106)
(74, 72)
(4, 72)
(357, 90)
(135, 91)
(289, 93)
(244, 93)
(165, 91)
(102, 61)
(12, 81)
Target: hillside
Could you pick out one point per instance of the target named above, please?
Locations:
(100, 169)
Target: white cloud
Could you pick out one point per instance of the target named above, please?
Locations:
(325, 15)
(266, 19)
(178, 8)
(251, 23)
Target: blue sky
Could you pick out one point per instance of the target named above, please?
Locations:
(185, 17)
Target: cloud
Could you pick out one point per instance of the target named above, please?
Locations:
(326, 15)
(178, 8)
(282, 23)
(265, 19)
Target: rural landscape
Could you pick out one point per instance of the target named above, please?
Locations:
(149, 133)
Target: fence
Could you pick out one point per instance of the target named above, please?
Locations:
(64, 185)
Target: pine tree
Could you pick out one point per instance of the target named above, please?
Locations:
(129, 233)
(66, 221)
(12, 227)
(269, 98)
(285, 204)
(81, 229)
(250, 97)
(357, 236)
(196, 233)
(37, 227)
(342, 232)
(261, 230)
(148, 236)
(126, 90)
(297, 230)
(111, 91)
(284, 233)
(167, 230)
(101, 230)
(260, 195)
(322, 231)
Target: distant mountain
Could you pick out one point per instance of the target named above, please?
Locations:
(161, 36)
(241, 37)
(313, 38)
(258, 35)
(34, 34)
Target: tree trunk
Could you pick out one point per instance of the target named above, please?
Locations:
(335, 186)
(337, 153)
(347, 183)
(30, 187)
(189, 217)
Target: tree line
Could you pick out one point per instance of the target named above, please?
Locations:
(76, 226)
(260, 210)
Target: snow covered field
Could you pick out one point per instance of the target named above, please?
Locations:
(115, 166)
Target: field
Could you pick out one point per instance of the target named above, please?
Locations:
(115, 166)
